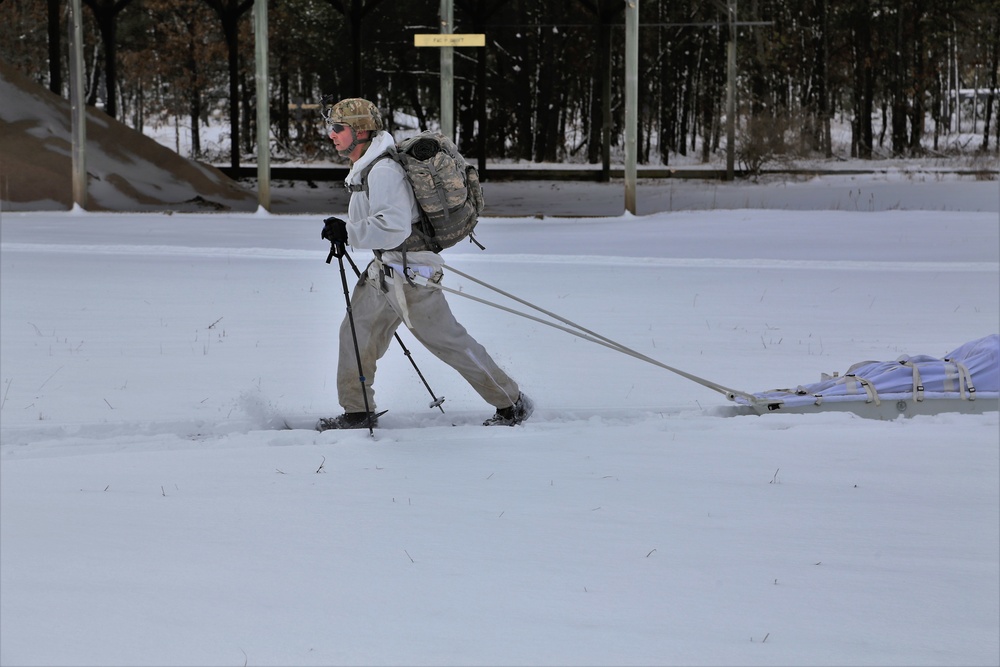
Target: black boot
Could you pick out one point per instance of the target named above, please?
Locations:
(349, 420)
(513, 415)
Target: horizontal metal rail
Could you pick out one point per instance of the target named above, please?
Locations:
(587, 173)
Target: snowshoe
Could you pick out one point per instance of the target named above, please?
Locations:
(350, 420)
(513, 415)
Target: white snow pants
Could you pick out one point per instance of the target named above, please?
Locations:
(377, 314)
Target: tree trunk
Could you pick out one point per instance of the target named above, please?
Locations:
(55, 47)
(826, 138)
(106, 16)
(602, 91)
(481, 109)
(194, 111)
(248, 117)
(992, 97)
(355, 14)
(284, 98)
(864, 80)
(232, 32)
(899, 84)
(480, 11)
(549, 101)
(918, 108)
(109, 37)
(229, 12)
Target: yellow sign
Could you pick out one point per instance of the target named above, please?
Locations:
(449, 39)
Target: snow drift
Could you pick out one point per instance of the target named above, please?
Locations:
(126, 169)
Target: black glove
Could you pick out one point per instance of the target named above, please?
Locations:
(335, 231)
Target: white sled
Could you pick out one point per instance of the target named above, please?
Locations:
(966, 380)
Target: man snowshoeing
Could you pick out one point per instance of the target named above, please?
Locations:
(380, 218)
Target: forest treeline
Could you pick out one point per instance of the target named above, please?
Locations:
(907, 77)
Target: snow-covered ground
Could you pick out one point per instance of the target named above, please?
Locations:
(153, 514)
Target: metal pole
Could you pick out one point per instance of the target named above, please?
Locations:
(631, 100)
(731, 94)
(447, 72)
(263, 105)
(338, 250)
(78, 110)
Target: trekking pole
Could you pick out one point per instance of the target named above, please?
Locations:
(436, 403)
(338, 250)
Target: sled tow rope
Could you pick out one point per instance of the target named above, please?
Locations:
(578, 331)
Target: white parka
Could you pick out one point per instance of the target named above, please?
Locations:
(383, 217)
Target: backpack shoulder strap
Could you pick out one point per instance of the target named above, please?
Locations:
(363, 187)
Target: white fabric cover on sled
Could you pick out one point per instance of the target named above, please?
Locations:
(966, 379)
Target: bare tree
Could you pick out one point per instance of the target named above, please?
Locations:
(106, 14)
(229, 13)
(604, 13)
(355, 12)
(55, 47)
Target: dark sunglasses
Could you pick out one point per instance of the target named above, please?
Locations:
(327, 109)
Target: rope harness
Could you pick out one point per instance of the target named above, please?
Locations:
(572, 328)
(392, 277)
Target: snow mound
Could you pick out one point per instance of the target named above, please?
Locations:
(127, 171)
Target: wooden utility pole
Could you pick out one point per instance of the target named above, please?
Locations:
(631, 100)
(446, 41)
(78, 109)
(447, 71)
(731, 94)
(263, 105)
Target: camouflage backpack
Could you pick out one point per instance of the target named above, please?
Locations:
(447, 189)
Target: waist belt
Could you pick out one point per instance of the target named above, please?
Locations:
(379, 272)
